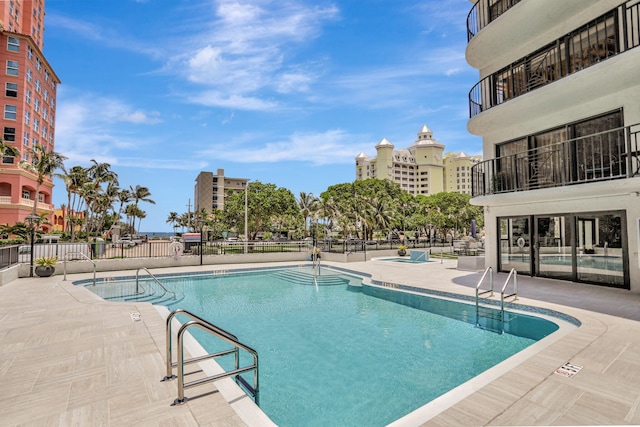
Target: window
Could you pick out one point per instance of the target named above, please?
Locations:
(7, 160)
(45, 95)
(30, 52)
(38, 64)
(26, 194)
(9, 134)
(45, 114)
(36, 105)
(10, 112)
(13, 44)
(27, 117)
(11, 90)
(36, 125)
(25, 139)
(27, 96)
(35, 142)
(12, 68)
(29, 74)
(44, 133)
(37, 85)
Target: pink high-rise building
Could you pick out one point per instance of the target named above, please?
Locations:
(28, 107)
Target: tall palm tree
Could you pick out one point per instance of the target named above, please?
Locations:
(43, 164)
(308, 204)
(73, 180)
(173, 219)
(98, 173)
(140, 194)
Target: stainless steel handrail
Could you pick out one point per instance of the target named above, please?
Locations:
(488, 270)
(513, 273)
(223, 335)
(154, 278)
(64, 264)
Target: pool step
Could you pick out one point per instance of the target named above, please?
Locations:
(125, 291)
(305, 277)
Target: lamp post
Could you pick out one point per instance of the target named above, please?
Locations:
(33, 221)
(246, 218)
(200, 222)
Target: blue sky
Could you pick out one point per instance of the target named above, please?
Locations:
(281, 91)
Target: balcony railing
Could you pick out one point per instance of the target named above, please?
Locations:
(599, 40)
(614, 154)
(484, 12)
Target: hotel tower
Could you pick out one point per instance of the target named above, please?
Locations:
(29, 107)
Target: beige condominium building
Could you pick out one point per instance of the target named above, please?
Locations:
(423, 168)
(210, 190)
(558, 108)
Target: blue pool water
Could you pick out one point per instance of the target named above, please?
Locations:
(345, 355)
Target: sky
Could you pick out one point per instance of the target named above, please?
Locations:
(286, 92)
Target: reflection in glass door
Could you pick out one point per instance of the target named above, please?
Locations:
(553, 249)
(600, 255)
(515, 244)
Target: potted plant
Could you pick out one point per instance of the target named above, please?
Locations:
(315, 253)
(46, 266)
(402, 250)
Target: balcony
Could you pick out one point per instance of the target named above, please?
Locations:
(605, 37)
(484, 12)
(610, 155)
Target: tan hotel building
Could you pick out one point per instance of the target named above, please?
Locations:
(422, 168)
(210, 190)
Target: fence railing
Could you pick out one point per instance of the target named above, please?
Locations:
(614, 154)
(78, 251)
(484, 12)
(606, 36)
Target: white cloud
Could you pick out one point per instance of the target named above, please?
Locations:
(330, 147)
(249, 50)
(89, 126)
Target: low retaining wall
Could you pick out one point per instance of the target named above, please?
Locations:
(86, 266)
(471, 263)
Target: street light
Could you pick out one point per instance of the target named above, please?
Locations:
(246, 218)
(200, 222)
(33, 221)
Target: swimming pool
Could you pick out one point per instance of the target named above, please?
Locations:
(346, 354)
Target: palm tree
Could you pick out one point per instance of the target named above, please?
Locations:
(173, 218)
(8, 150)
(73, 180)
(140, 194)
(43, 164)
(308, 204)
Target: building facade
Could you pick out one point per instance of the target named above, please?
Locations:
(210, 190)
(29, 108)
(422, 168)
(557, 108)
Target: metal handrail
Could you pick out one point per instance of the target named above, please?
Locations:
(154, 278)
(513, 273)
(488, 270)
(219, 333)
(64, 264)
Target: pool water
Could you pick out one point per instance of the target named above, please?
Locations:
(343, 355)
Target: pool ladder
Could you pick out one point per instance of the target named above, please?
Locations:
(220, 333)
(485, 308)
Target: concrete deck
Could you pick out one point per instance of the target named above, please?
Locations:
(68, 358)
